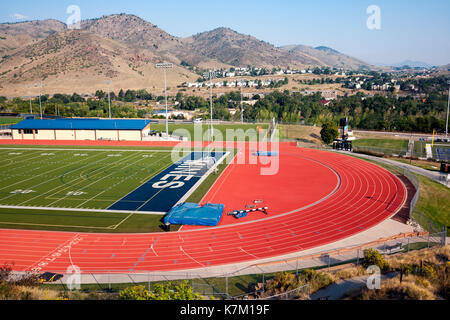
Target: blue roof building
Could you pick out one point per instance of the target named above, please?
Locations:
(81, 129)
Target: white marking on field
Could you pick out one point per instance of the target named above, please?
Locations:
(114, 155)
(75, 193)
(20, 191)
(15, 153)
(147, 156)
(80, 155)
(47, 154)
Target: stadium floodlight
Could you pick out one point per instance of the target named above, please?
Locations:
(242, 108)
(209, 76)
(39, 85)
(165, 66)
(31, 106)
(108, 83)
(448, 109)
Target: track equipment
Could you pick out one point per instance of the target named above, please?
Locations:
(239, 214)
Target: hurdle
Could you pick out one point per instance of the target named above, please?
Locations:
(239, 214)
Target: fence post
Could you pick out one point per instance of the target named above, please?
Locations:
(408, 243)
(444, 236)
(329, 263)
(226, 286)
(109, 281)
(263, 283)
(357, 259)
(296, 269)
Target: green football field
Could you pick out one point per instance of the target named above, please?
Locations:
(75, 178)
(223, 132)
(85, 178)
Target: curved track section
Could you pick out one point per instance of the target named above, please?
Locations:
(349, 197)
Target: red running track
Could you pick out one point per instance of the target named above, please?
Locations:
(316, 198)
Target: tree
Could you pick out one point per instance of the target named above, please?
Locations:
(329, 132)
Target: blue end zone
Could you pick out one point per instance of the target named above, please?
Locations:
(166, 189)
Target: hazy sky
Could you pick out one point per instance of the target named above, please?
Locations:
(410, 29)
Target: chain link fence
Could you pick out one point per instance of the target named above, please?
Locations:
(419, 151)
(249, 282)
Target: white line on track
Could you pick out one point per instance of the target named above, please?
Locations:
(185, 253)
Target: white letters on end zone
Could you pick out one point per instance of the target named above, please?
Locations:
(182, 173)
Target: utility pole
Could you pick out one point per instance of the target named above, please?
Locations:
(29, 92)
(211, 75)
(448, 110)
(242, 108)
(39, 85)
(165, 66)
(108, 83)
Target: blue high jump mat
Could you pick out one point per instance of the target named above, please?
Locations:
(191, 214)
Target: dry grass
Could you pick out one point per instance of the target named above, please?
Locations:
(435, 256)
(348, 273)
(412, 288)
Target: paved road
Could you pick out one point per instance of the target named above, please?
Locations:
(340, 289)
(401, 134)
(434, 175)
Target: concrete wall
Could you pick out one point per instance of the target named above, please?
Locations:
(80, 135)
(16, 135)
(107, 135)
(44, 135)
(65, 135)
(130, 135)
(85, 135)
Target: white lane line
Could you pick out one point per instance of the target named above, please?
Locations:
(184, 252)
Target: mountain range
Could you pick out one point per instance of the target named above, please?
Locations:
(125, 48)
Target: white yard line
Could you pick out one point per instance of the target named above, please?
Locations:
(113, 186)
(141, 185)
(46, 181)
(46, 172)
(53, 225)
(104, 177)
(80, 210)
(118, 225)
(84, 150)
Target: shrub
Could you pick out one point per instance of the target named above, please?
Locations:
(160, 292)
(316, 280)
(283, 281)
(329, 132)
(374, 258)
(134, 293)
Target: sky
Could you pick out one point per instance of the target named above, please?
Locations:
(417, 30)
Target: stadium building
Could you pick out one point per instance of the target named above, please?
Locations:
(81, 129)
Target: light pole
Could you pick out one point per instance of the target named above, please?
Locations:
(39, 85)
(165, 66)
(211, 75)
(448, 110)
(108, 83)
(242, 108)
(31, 106)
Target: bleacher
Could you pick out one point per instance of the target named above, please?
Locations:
(443, 154)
